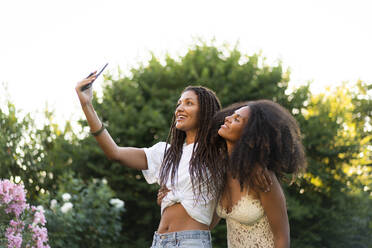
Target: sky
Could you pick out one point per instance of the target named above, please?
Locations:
(47, 46)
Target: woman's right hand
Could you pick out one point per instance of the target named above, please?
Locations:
(163, 191)
(85, 96)
(261, 178)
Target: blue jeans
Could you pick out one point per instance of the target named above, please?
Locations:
(183, 239)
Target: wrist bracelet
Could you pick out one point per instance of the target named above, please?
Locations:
(98, 132)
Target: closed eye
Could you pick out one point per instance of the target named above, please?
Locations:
(236, 117)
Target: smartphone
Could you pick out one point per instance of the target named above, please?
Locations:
(87, 86)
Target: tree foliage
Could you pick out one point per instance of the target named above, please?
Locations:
(330, 206)
(35, 156)
(138, 109)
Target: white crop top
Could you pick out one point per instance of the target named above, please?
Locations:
(200, 210)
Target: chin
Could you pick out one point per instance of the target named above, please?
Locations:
(221, 133)
(179, 126)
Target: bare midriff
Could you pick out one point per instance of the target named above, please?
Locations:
(175, 219)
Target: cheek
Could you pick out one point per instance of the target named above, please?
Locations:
(195, 113)
(236, 132)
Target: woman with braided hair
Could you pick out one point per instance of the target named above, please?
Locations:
(184, 220)
(188, 208)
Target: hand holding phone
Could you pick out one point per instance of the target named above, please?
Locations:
(87, 86)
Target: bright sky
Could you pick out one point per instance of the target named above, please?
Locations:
(46, 46)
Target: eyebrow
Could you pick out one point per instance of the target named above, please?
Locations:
(237, 114)
(189, 98)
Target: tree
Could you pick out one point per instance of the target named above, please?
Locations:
(137, 110)
(331, 207)
(31, 155)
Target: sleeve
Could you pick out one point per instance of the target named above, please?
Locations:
(154, 156)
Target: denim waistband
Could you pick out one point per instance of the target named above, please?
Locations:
(192, 234)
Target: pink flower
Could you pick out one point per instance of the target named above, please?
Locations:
(13, 195)
(39, 217)
(40, 236)
(13, 202)
(17, 224)
(14, 237)
(5, 187)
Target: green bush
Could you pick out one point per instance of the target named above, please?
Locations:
(83, 214)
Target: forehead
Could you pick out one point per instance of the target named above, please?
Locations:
(190, 94)
(243, 112)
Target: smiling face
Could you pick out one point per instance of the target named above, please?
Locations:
(187, 112)
(234, 124)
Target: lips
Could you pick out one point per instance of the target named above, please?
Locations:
(224, 126)
(180, 117)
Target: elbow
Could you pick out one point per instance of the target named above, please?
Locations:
(282, 241)
(111, 157)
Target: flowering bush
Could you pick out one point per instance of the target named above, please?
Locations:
(21, 225)
(83, 214)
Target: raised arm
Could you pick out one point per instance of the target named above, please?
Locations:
(274, 205)
(129, 156)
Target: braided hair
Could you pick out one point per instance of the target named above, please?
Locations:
(209, 104)
(214, 157)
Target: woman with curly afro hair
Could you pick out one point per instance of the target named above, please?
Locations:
(257, 134)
